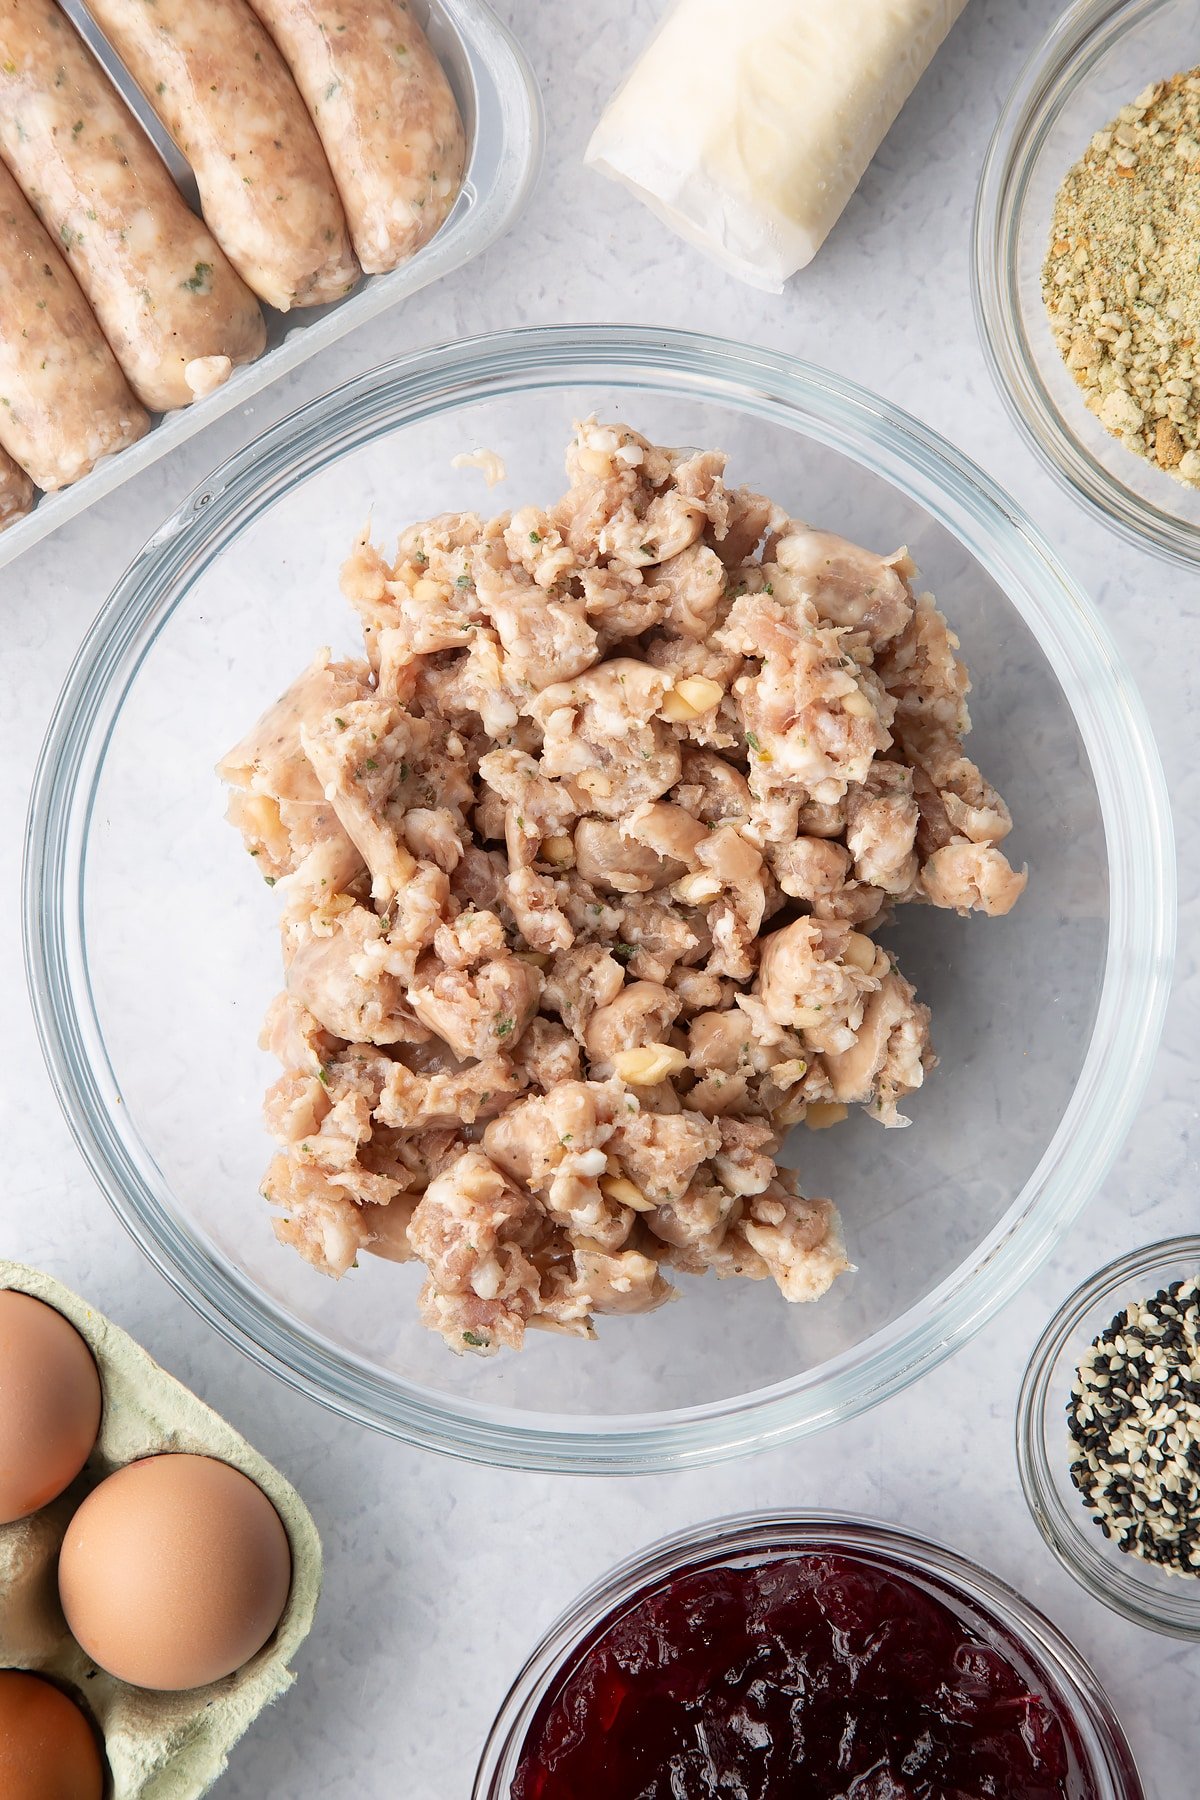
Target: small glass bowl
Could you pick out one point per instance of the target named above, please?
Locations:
(1137, 1590)
(1099, 55)
(979, 1598)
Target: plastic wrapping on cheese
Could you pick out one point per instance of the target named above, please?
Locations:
(746, 125)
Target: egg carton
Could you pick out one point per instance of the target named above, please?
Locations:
(158, 1746)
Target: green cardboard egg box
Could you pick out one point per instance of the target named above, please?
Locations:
(158, 1746)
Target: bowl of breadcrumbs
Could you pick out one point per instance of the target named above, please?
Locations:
(1087, 263)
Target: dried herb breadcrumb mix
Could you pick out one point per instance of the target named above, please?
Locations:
(1134, 1420)
(1122, 280)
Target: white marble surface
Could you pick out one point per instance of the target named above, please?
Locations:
(440, 1576)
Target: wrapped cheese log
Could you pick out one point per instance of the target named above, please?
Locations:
(747, 128)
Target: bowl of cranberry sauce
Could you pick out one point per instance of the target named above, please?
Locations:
(770, 1656)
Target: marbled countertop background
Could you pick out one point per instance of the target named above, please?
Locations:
(440, 1576)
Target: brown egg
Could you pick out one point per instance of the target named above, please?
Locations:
(174, 1572)
(49, 1404)
(48, 1751)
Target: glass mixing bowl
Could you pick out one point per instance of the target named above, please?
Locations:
(1097, 57)
(152, 950)
(989, 1607)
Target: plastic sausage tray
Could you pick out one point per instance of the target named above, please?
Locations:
(158, 1746)
(501, 110)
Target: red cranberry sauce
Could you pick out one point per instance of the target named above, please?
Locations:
(811, 1677)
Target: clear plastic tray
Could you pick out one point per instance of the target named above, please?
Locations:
(501, 109)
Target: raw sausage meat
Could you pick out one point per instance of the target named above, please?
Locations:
(65, 403)
(385, 112)
(176, 314)
(224, 93)
(16, 492)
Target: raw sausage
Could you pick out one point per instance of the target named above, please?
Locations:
(64, 403)
(224, 93)
(172, 308)
(174, 311)
(16, 492)
(385, 112)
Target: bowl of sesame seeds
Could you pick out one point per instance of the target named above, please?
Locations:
(1085, 279)
(1108, 1436)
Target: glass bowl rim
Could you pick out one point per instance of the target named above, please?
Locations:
(1087, 30)
(949, 488)
(743, 1533)
(1174, 1613)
